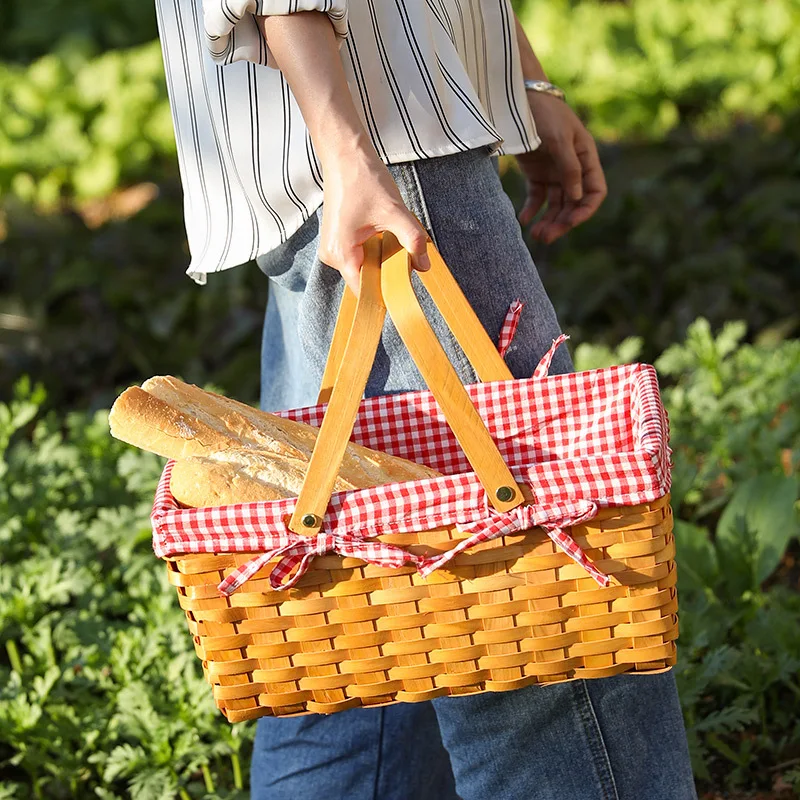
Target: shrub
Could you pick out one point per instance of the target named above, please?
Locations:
(30, 30)
(101, 692)
(77, 127)
(690, 227)
(104, 696)
(646, 67)
(78, 123)
(735, 433)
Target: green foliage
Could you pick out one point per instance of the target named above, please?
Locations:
(734, 415)
(737, 678)
(101, 309)
(735, 433)
(690, 228)
(78, 126)
(597, 356)
(645, 67)
(102, 694)
(29, 30)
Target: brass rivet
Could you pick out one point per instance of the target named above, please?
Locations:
(310, 521)
(505, 493)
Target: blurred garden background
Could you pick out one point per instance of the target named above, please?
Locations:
(693, 263)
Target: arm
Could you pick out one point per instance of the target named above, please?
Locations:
(360, 197)
(565, 170)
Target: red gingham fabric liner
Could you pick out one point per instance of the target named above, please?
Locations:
(581, 441)
(509, 327)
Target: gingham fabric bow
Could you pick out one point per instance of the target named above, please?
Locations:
(296, 556)
(551, 518)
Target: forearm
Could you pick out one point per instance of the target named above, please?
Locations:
(359, 193)
(531, 68)
(305, 49)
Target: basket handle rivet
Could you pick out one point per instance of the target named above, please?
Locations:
(310, 521)
(504, 494)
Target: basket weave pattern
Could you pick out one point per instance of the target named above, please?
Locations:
(509, 613)
(528, 607)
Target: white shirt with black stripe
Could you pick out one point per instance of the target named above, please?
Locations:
(428, 77)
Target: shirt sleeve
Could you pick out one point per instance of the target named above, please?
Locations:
(232, 33)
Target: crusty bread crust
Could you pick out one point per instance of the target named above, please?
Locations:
(149, 423)
(204, 481)
(230, 452)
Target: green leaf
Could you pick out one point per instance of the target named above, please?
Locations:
(154, 785)
(757, 525)
(727, 720)
(124, 760)
(696, 557)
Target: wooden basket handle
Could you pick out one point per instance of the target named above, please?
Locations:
(455, 309)
(362, 322)
(341, 332)
(435, 367)
(350, 361)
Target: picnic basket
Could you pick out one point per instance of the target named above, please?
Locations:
(543, 554)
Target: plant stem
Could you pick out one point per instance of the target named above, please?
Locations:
(784, 765)
(237, 771)
(13, 656)
(209, 781)
(184, 794)
(724, 749)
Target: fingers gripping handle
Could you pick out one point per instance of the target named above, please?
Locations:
(455, 309)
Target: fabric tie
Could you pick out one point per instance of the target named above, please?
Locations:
(552, 518)
(509, 327)
(543, 367)
(296, 556)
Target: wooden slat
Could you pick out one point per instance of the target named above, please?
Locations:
(342, 408)
(441, 377)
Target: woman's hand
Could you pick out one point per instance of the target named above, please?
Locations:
(564, 171)
(360, 200)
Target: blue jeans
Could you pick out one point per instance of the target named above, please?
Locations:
(619, 738)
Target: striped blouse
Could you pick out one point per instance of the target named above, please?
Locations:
(428, 77)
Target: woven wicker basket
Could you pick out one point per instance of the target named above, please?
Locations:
(505, 614)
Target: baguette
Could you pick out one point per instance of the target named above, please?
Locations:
(145, 421)
(204, 481)
(230, 452)
(292, 441)
(238, 476)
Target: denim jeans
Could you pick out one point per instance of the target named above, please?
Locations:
(619, 738)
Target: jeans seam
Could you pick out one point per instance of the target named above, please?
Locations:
(379, 760)
(597, 745)
(426, 222)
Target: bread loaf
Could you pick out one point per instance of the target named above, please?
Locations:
(143, 420)
(238, 476)
(230, 452)
(203, 481)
